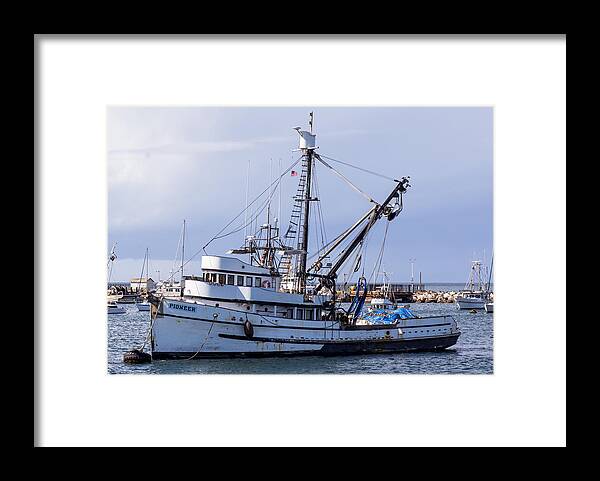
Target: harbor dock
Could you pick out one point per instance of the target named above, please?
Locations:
(400, 293)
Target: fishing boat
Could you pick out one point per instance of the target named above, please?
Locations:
(281, 301)
(475, 294)
(382, 303)
(383, 300)
(169, 289)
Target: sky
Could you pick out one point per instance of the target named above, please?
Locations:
(167, 164)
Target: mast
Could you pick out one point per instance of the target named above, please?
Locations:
(279, 201)
(307, 146)
(111, 259)
(182, 253)
(489, 284)
(246, 210)
(142, 273)
(303, 246)
(376, 213)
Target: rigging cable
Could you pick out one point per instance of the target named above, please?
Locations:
(251, 203)
(379, 259)
(234, 219)
(320, 213)
(254, 217)
(360, 168)
(343, 177)
(173, 271)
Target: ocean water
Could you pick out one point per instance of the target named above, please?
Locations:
(472, 354)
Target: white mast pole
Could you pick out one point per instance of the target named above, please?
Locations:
(270, 192)
(246, 211)
(182, 253)
(279, 206)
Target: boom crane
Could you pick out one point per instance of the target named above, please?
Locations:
(328, 280)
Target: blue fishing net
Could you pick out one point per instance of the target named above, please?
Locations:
(379, 316)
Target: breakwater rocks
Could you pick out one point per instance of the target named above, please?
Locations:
(435, 296)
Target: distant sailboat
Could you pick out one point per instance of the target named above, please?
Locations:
(144, 305)
(170, 287)
(489, 306)
(112, 307)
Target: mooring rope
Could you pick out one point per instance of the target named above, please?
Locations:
(147, 335)
(205, 339)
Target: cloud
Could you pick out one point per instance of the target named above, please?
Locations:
(167, 164)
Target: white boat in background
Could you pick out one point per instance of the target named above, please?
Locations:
(383, 300)
(114, 308)
(143, 306)
(280, 304)
(471, 300)
(169, 289)
(476, 292)
(489, 307)
(382, 303)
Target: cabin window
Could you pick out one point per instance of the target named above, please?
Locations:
(318, 314)
(257, 282)
(240, 280)
(248, 281)
(221, 278)
(213, 277)
(309, 314)
(289, 313)
(230, 280)
(299, 313)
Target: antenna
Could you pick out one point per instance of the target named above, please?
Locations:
(310, 122)
(246, 211)
(279, 206)
(182, 254)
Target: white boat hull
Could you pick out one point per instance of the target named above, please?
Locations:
(470, 303)
(182, 329)
(116, 310)
(143, 306)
